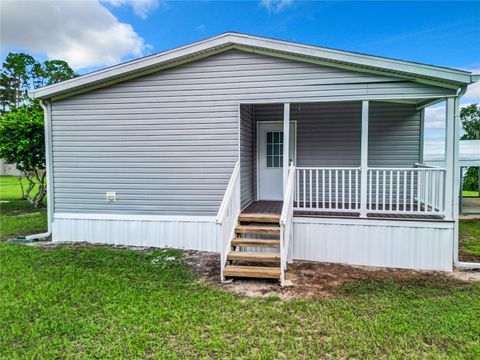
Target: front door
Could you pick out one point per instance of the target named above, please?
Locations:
(270, 158)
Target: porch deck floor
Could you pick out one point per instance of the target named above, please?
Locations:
(275, 207)
(264, 207)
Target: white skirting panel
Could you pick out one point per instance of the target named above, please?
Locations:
(397, 244)
(195, 233)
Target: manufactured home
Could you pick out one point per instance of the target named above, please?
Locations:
(264, 151)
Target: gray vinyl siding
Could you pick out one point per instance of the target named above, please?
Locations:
(329, 134)
(394, 135)
(167, 142)
(247, 154)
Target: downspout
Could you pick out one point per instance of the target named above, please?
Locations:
(48, 167)
(456, 262)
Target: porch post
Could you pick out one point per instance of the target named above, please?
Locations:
(364, 161)
(422, 136)
(451, 158)
(286, 145)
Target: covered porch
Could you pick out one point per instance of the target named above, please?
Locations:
(357, 159)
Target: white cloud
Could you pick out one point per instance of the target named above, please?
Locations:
(275, 5)
(434, 147)
(473, 91)
(141, 8)
(434, 150)
(83, 33)
(472, 94)
(435, 117)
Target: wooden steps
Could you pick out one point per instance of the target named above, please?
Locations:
(258, 229)
(255, 242)
(253, 256)
(259, 218)
(252, 271)
(255, 231)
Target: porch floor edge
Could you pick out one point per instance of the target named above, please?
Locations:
(275, 207)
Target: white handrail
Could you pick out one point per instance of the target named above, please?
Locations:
(286, 222)
(404, 168)
(425, 166)
(327, 168)
(227, 216)
(390, 190)
(327, 189)
(419, 191)
(228, 194)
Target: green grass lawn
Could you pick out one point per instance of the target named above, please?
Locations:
(470, 238)
(98, 302)
(469, 193)
(18, 217)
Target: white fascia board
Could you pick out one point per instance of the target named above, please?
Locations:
(127, 68)
(340, 56)
(230, 39)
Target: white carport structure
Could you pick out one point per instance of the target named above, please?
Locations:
(469, 156)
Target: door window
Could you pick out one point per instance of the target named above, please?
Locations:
(274, 149)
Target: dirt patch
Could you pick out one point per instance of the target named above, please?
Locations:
(466, 257)
(312, 279)
(465, 275)
(309, 279)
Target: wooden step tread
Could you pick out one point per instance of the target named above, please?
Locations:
(261, 218)
(256, 242)
(254, 256)
(258, 229)
(252, 271)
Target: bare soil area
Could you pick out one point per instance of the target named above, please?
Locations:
(309, 279)
(313, 279)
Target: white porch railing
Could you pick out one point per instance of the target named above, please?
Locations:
(327, 189)
(413, 191)
(228, 215)
(416, 191)
(286, 223)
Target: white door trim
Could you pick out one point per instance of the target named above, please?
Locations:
(257, 147)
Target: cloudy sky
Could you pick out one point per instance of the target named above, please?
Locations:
(91, 34)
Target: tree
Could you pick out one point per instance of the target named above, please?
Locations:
(470, 117)
(21, 121)
(21, 73)
(22, 142)
(15, 80)
(51, 72)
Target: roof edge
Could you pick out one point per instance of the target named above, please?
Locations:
(442, 74)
